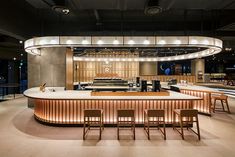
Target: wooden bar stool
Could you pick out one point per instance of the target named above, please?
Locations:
(93, 117)
(154, 118)
(223, 99)
(126, 118)
(186, 116)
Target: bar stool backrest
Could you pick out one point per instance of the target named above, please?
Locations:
(188, 112)
(125, 113)
(92, 113)
(224, 97)
(156, 113)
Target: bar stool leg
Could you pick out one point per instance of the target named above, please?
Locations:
(84, 128)
(181, 126)
(118, 129)
(103, 121)
(173, 123)
(214, 105)
(222, 104)
(144, 121)
(134, 127)
(164, 128)
(148, 129)
(198, 130)
(100, 127)
(88, 123)
(226, 101)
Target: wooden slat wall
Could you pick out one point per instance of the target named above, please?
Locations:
(71, 111)
(87, 71)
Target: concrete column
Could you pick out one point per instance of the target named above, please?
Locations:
(48, 68)
(69, 69)
(148, 68)
(198, 69)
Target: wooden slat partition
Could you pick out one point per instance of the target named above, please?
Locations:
(71, 111)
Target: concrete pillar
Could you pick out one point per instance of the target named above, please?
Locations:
(148, 68)
(198, 69)
(69, 69)
(48, 68)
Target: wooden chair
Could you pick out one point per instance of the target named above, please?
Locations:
(93, 118)
(223, 99)
(188, 117)
(154, 118)
(126, 118)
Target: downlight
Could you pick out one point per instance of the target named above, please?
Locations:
(152, 8)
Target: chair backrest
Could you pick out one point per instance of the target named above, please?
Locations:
(126, 113)
(156, 113)
(92, 113)
(189, 112)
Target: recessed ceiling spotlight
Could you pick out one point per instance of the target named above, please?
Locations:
(228, 49)
(100, 42)
(115, 42)
(61, 9)
(53, 42)
(162, 42)
(206, 42)
(42, 42)
(194, 41)
(131, 42)
(69, 42)
(177, 42)
(84, 42)
(152, 7)
(20, 41)
(146, 42)
(14, 58)
(65, 11)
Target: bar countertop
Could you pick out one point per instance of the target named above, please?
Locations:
(60, 93)
(197, 88)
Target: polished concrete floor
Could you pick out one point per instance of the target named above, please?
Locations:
(21, 135)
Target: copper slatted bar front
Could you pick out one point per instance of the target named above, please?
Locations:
(204, 105)
(71, 111)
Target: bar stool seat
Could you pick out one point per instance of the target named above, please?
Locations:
(154, 118)
(223, 99)
(188, 117)
(126, 118)
(93, 118)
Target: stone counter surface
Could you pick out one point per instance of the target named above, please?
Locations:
(60, 93)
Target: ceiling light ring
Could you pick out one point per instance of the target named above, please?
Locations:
(160, 41)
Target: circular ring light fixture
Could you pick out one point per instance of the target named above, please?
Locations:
(211, 45)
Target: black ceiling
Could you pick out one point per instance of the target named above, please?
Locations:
(28, 18)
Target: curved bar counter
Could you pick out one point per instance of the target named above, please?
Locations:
(66, 107)
(204, 105)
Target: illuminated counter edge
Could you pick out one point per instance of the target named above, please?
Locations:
(204, 105)
(66, 107)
